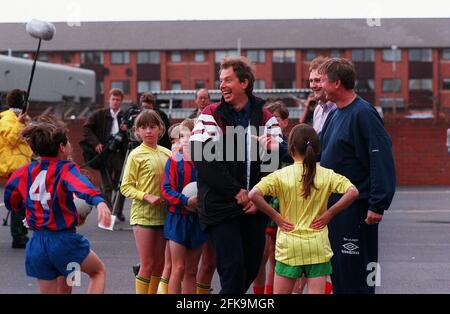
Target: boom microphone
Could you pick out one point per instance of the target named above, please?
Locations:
(43, 31)
(40, 29)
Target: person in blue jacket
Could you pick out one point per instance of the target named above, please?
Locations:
(355, 144)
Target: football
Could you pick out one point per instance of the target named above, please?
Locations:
(190, 190)
(82, 207)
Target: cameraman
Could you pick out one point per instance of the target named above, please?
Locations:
(105, 132)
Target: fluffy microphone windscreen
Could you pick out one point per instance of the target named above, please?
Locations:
(41, 29)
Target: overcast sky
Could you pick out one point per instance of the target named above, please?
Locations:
(133, 10)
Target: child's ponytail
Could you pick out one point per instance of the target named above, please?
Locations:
(309, 169)
(303, 141)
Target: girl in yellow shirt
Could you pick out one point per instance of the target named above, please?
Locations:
(303, 189)
(141, 182)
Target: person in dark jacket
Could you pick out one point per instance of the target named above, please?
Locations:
(106, 134)
(234, 225)
(355, 144)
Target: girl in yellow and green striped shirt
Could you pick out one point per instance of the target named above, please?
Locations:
(303, 189)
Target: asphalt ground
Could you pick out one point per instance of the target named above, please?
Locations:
(414, 248)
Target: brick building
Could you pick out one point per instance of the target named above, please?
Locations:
(402, 64)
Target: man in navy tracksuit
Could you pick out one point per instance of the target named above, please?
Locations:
(235, 227)
(356, 145)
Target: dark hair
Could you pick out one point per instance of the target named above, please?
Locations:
(278, 106)
(16, 98)
(339, 69)
(149, 117)
(45, 138)
(243, 69)
(304, 141)
(148, 98)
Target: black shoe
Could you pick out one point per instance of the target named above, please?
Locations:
(136, 269)
(19, 243)
(121, 217)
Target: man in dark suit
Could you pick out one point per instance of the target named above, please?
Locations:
(99, 130)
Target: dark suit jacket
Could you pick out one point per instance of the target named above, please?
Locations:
(97, 129)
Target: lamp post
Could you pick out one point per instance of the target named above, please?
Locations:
(394, 69)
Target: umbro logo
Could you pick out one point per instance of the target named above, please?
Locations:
(350, 246)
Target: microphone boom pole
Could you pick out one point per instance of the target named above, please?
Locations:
(25, 108)
(43, 31)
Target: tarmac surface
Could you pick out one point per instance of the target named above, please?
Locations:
(414, 249)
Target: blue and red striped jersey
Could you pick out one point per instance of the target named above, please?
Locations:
(177, 174)
(44, 191)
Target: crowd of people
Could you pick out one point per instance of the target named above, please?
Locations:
(273, 210)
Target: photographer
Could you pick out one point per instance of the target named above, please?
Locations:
(106, 134)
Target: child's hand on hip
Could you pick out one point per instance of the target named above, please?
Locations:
(322, 221)
(283, 224)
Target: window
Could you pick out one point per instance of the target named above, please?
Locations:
(283, 84)
(175, 56)
(259, 84)
(66, 57)
(421, 55)
(391, 85)
(199, 84)
(144, 57)
(92, 57)
(199, 56)
(363, 55)
(283, 56)
(389, 55)
(335, 53)
(392, 102)
(99, 87)
(24, 55)
(123, 85)
(421, 84)
(310, 55)
(445, 54)
(120, 57)
(176, 85)
(446, 83)
(43, 56)
(145, 86)
(257, 56)
(220, 54)
(364, 86)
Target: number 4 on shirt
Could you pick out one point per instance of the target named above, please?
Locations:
(38, 191)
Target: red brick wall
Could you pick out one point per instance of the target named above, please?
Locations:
(419, 148)
(420, 151)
